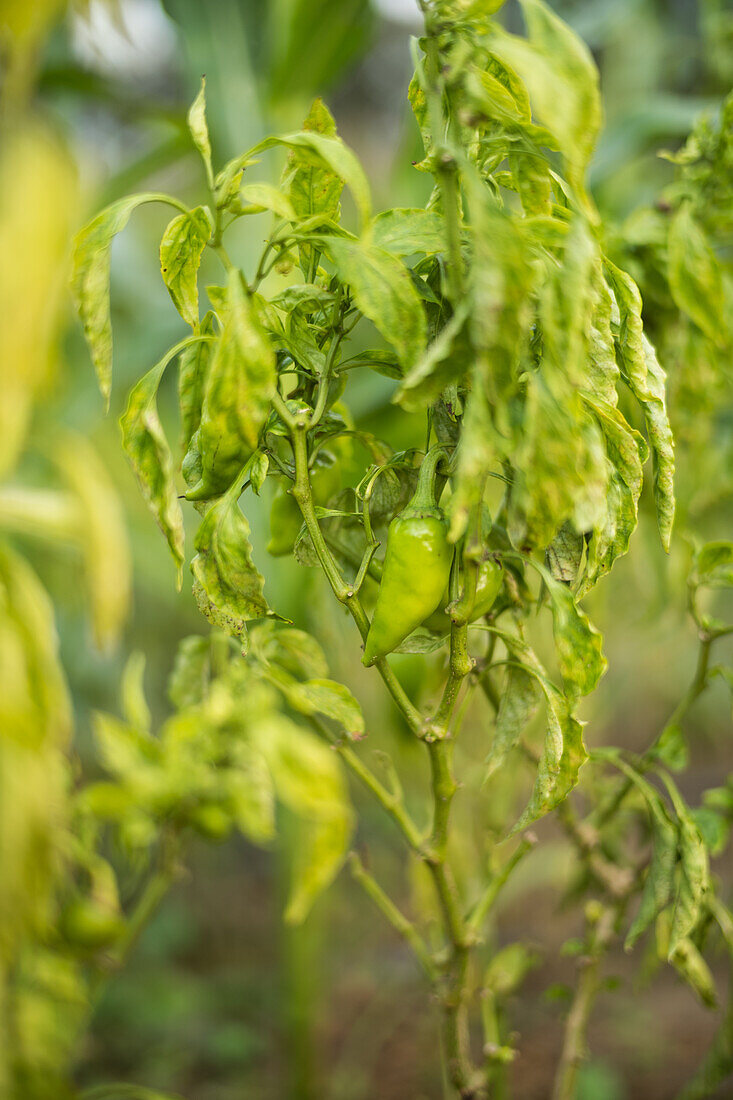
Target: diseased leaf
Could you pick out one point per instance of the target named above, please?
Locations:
(292, 650)
(263, 196)
(519, 702)
(237, 394)
(659, 880)
(90, 281)
(227, 585)
(693, 873)
(445, 360)
(189, 680)
(383, 291)
(563, 755)
(326, 697)
(199, 129)
(646, 380)
(406, 232)
(562, 79)
(134, 704)
(578, 643)
(193, 369)
(690, 965)
(695, 277)
(250, 794)
(147, 448)
(180, 255)
(316, 148)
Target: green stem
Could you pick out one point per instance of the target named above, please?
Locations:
(395, 917)
(483, 906)
(389, 801)
(589, 983)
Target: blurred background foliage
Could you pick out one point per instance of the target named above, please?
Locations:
(219, 999)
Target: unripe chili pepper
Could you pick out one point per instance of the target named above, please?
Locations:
(416, 567)
(285, 515)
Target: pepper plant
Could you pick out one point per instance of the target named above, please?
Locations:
(537, 408)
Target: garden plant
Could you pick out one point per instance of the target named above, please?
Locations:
(508, 319)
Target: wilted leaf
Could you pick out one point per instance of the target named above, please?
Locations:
(237, 394)
(180, 255)
(384, 293)
(90, 280)
(199, 129)
(227, 584)
(147, 448)
(519, 701)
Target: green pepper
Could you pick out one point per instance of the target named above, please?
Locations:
(285, 516)
(90, 926)
(416, 569)
(488, 586)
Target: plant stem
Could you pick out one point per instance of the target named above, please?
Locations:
(453, 992)
(390, 802)
(576, 1025)
(395, 917)
(483, 906)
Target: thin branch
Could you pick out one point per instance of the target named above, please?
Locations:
(396, 918)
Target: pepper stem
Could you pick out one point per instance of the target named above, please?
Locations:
(424, 496)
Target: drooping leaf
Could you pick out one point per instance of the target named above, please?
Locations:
(181, 249)
(227, 585)
(199, 129)
(562, 79)
(693, 873)
(646, 380)
(383, 291)
(445, 360)
(691, 966)
(237, 392)
(577, 642)
(193, 370)
(659, 881)
(90, 280)
(147, 448)
(519, 702)
(563, 755)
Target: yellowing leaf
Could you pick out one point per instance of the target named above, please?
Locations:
(227, 585)
(383, 291)
(90, 281)
(180, 255)
(147, 448)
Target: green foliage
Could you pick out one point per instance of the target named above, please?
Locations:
(522, 352)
